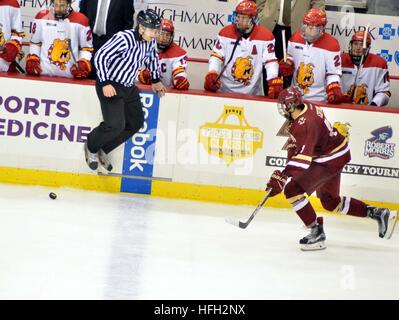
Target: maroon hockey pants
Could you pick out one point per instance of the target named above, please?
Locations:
(325, 180)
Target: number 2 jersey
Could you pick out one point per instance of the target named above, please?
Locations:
(10, 26)
(372, 84)
(316, 65)
(50, 42)
(313, 139)
(244, 70)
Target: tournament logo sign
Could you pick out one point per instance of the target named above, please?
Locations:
(377, 146)
(230, 142)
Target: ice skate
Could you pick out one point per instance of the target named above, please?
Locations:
(314, 240)
(104, 160)
(386, 220)
(91, 158)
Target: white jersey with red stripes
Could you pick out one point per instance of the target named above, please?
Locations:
(372, 81)
(316, 64)
(243, 73)
(172, 63)
(10, 26)
(50, 42)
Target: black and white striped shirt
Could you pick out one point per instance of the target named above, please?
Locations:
(121, 57)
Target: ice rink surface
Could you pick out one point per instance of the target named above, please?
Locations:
(91, 245)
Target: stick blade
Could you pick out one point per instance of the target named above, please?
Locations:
(232, 221)
(236, 223)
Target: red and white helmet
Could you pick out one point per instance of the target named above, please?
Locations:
(315, 17)
(249, 8)
(288, 100)
(166, 34)
(356, 54)
(359, 36)
(313, 24)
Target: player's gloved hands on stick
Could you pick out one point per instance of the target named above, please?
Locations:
(334, 93)
(145, 76)
(276, 182)
(81, 69)
(285, 68)
(181, 83)
(275, 87)
(33, 65)
(211, 84)
(11, 50)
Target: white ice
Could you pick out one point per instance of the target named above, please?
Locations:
(91, 245)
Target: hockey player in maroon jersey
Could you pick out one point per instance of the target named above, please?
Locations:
(372, 83)
(314, 60)
(242, 50)
(11, 34)
(172, 60)
(317, 154)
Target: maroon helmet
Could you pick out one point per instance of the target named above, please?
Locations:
(288, 100)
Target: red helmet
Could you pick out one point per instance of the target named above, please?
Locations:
(288, 100)
(359, 36)
(167, 25)
(315, 17)
(247, 7)
(166, 35)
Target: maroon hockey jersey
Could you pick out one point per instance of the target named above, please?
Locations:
(313, 139)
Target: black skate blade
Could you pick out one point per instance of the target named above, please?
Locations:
(393, 219)
(313, 247)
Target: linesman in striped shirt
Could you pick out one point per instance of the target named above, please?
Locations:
(118, 63)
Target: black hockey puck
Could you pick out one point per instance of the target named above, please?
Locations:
(52, 195)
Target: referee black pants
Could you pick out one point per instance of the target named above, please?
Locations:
(123, 117)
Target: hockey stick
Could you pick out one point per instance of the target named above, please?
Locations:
(361, 62)
(286, 79)
(284, 45)
(68, 39)
(231, 57)
(19, 68)
(245, 224)
(128, 176)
